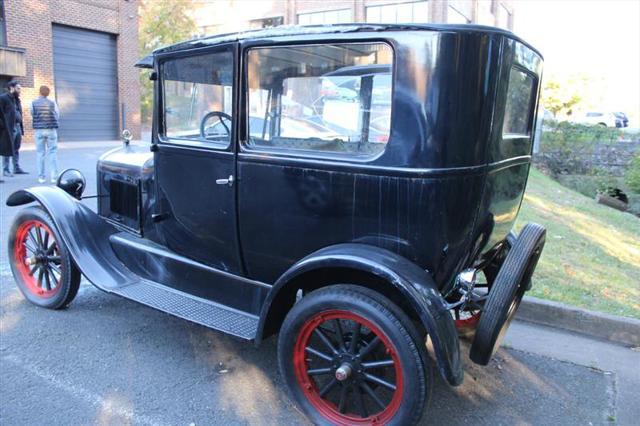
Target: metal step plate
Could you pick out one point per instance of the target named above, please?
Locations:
(192, 308)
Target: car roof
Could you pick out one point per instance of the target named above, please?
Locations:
(303, 30)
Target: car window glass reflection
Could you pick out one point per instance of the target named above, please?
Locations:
(517, 117)
(198, 98)
(321, 98)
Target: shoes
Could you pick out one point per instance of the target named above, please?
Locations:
(19, 171)
(54, 181)
(7, 173)
(41, 180)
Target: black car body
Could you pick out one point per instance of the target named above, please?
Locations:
(412, 172)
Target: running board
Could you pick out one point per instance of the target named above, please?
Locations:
(194, 309)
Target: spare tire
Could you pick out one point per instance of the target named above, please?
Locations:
(506, 292)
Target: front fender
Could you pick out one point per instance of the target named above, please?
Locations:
(415, 284)
(85, 234)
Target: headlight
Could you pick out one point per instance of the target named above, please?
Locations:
(72, 182)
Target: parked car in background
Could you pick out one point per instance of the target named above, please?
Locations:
(600, 118)
(623, 118)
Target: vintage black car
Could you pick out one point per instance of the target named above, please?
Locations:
(350, 187)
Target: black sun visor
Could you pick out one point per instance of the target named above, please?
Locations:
(146, 62)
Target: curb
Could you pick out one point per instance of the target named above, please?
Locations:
(604, 326)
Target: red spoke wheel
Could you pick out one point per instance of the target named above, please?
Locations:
(40, 262)
(466, 322)
(37, 258)
(351, 357)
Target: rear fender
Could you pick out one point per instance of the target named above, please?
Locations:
(85, 234)
(416, 286)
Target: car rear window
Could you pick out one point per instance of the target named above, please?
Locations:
(329, 98)
(518, 112)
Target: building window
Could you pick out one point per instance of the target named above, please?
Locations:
(411, 12)
(454, 16)
(3, 25)
(210, 29)
(327, 17)
(320, 99)
(255, 24)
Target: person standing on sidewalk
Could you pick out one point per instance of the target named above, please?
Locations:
(45, 115)
(14, 89)
(7, 125)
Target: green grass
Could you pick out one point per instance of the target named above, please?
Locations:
(592, 255)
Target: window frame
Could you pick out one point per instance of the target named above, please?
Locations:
(230, 48)
(323, 13)
(3, 25)
(531, 106)
(371, 7)
(244, 146)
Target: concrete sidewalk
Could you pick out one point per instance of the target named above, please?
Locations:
(620, 362)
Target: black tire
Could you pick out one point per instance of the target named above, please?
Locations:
(506, 292)
(55, 279)
(396, 339)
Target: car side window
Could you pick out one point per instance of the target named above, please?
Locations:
(519, 108)
(198, 97)
(320, 99)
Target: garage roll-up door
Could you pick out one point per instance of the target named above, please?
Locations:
(86, 79)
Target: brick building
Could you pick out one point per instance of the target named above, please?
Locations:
(84, 50)
(217, 16)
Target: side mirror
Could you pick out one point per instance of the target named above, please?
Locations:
(126, 136)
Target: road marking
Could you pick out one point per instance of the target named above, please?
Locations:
(107, 407)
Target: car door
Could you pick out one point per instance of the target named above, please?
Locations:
(195, 158)
(313, 111)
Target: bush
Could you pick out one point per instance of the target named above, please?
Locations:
(632, 176)
(606, 183)
(562, 135)
(597, 182)
(571, 149)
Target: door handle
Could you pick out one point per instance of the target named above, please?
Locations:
(228, 181)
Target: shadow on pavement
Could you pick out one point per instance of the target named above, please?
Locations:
(108, 360)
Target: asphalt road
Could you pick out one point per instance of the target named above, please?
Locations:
(106, 360)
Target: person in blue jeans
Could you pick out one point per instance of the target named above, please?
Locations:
(45, 115)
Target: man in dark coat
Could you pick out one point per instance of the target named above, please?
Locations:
(14, 88)
(7, 124)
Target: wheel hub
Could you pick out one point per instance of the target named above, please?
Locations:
(343, 372)
(347, 368)
(40, 257)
